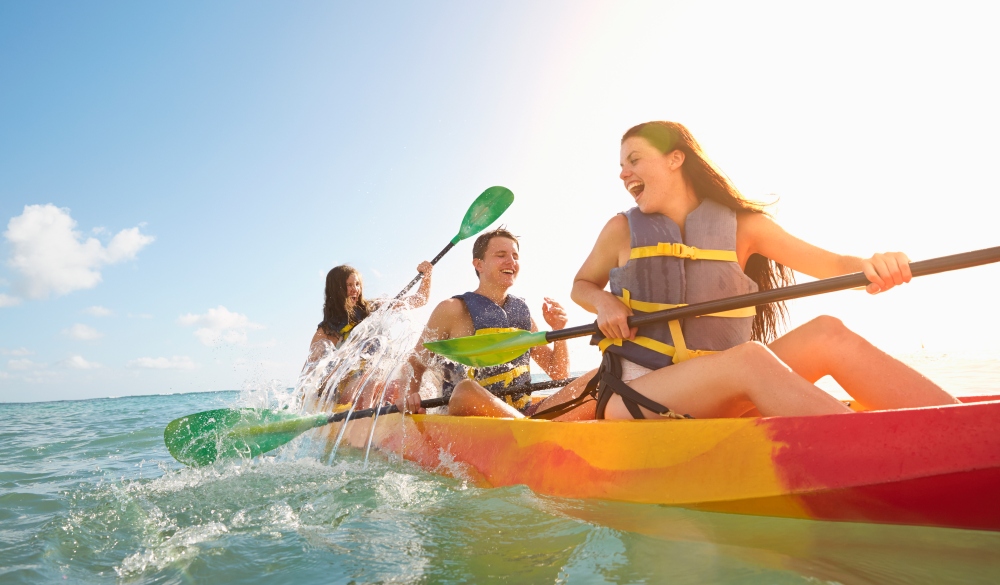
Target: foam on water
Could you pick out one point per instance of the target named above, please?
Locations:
(89, 494)
(100, 500)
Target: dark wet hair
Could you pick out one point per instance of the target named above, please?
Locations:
(483, 242)
(338, 309)
(711, 183)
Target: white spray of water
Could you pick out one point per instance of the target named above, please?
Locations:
(357, 374)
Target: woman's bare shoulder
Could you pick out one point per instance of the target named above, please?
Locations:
(321, 335)
(615, 231)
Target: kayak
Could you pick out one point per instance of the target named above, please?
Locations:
(936, 466)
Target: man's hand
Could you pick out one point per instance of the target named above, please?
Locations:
(554, 314)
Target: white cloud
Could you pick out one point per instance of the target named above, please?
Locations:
(18, 351)
(8, 301)
(98, 311)
(220, 325)
(82, 332)
(52, 257)
(78, 363)
(22, 364)
(177, 362)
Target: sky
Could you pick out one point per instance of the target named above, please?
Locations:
(177, 178)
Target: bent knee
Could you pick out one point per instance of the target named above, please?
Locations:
(468, 387)
(754, 354)
(753, 350)
(828, 326)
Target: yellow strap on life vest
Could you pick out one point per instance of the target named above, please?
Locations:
(679, 352)
(345, 330)
(657, 346)
(678, 250)
(647, 307)
(520, 403)
(505, 377)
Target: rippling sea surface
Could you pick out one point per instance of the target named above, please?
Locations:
(88, 493)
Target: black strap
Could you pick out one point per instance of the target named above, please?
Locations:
(606, 383)
(560, 409)
(611, 383)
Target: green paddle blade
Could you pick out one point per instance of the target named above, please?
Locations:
(484, 211)
(206, 437)
(494, 349)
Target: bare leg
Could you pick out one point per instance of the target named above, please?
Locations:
(568, 392)
(728, 384)
(471, 399)
(825, 346)
(369, 395)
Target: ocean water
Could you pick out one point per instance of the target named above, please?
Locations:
(89, 494)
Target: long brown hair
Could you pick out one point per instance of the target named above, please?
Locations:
(711, 183)
(338, 309)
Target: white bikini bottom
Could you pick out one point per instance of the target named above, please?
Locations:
(632, 370)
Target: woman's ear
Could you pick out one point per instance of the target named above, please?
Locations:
(675, 158)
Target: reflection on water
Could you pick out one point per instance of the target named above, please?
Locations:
(96, 499)
(698, 543)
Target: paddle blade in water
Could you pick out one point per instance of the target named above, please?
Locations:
(206, 437)
(484, 211)
(480, 351)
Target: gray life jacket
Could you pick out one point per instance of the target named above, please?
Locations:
(665, 270)
(488, 317)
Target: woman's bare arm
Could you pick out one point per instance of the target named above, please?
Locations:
(610, 251)
(757, 233)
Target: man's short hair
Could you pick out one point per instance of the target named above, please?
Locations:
(483, 242)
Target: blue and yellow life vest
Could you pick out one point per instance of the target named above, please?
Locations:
(666, 271)
(488, 317)
(344, 327)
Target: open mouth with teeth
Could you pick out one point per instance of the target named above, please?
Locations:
(635, 188)
(507, 271)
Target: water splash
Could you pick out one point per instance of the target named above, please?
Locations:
(357, 375)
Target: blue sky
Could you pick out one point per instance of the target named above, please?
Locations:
(223, 156)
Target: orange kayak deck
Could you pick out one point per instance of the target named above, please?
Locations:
(926, 466)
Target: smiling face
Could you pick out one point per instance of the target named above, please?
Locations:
(649, 176)
(354, 287)
(499, 265)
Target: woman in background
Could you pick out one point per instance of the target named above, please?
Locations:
(344, 308)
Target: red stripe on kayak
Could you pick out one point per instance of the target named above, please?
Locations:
(886, 458)
(954, 500)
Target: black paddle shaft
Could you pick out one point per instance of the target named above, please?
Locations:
(922, 268)
(443, 400)
(420, 275)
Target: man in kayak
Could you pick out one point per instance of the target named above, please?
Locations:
(488, 309)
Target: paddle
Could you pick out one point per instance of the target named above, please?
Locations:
(484, 210)
(489, 350)
(206, 437)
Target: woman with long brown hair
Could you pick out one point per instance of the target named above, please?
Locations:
(344, 307)
(692, 237)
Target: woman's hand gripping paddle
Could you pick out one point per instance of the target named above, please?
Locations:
(229, 433)
(498, 348)
(484, 211)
